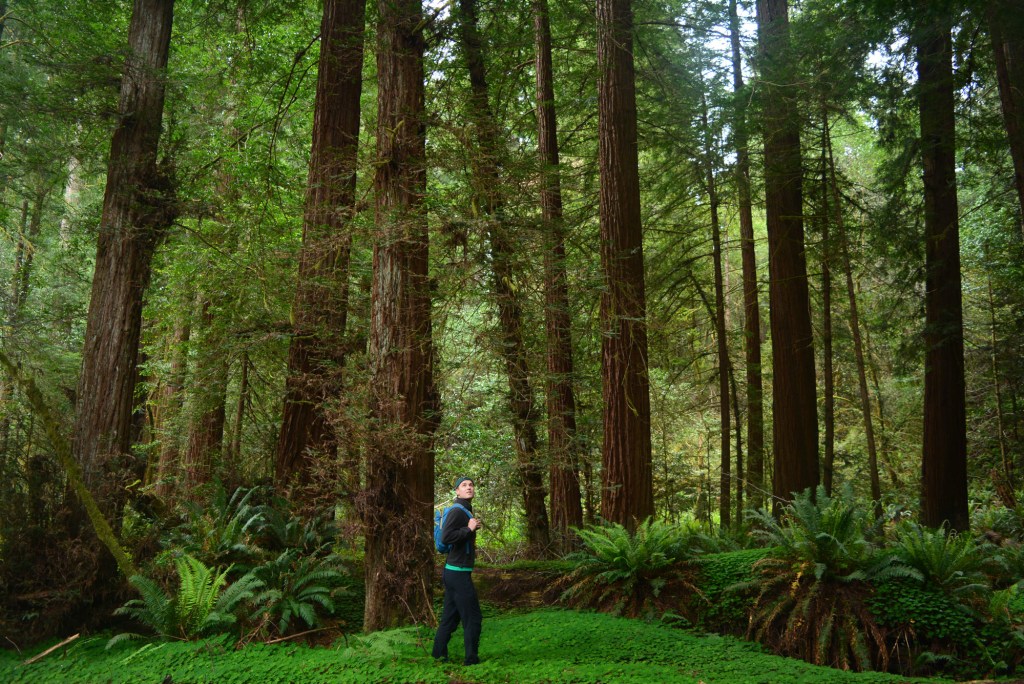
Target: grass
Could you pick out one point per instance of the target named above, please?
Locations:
(539, 646)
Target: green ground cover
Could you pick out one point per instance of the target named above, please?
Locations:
(539, 646)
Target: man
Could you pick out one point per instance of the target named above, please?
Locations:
(460, 600)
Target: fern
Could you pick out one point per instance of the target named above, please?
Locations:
(944, 559)
(811, 588)
(623, 571)
(297, 587)
(202, 605)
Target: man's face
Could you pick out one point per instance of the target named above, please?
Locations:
(465, 490)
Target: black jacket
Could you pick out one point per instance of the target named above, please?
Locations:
(456, 532)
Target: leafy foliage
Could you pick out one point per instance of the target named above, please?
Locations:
(623, 571)
(725, 609)
(945, 560)
(202, 604)
(550, 646)
(297, 586)
(813, 584)
(221, 529)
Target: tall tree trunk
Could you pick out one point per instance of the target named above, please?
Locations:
(751, 306)
(858, 346)
(137, 212)
(795, 412)
(566, 505)
(513, 351)
(627, 495)
(944, 462)
(403, 401)
(1006, 29)
(724, 368)
(827, 354)
(316, 353)
(208, 412)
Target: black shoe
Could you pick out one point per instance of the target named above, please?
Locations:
(472, 661)
(441, 659)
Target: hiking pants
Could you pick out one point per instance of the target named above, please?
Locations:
(460, 603)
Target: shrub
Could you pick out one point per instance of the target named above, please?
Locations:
(625, 572)
(813, 584)
(202, 604)
(944, 560)
(296, 587)
(221, 530)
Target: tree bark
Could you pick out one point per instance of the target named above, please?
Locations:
(627, 495)
(566, 504)
(513, 351)
(944, 462)
(137, 212)
(208, 412)
(316, 353)
(404, 407)
(795, 412)
(751, 305)
(1006, 29)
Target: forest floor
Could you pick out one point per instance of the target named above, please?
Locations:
(545, 645)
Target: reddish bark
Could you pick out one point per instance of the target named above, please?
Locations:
(136, 215)
(627, 495)
(566, 505)
(944, 462)
(795, 404)
(316, 353)
(1006, 29)
(399, 491)
(208, 411)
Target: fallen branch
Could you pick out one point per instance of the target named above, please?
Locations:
(294, 636)
(50, 650)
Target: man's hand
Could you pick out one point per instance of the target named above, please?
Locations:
(474, 523)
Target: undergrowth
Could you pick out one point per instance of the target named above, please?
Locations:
(543, 646)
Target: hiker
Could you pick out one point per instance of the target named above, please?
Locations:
(458, 531)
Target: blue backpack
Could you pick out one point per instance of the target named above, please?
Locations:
(439, 517)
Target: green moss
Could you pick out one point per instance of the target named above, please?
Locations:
(542, 646)
(723, 609)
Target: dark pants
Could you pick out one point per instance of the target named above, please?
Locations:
(460, 603)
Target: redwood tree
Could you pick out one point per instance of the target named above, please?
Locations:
(137, 211)
(1006, 29)
(566, 507)
(317, 351)
(627, 495)
(403, 403)
(944, 462)
(795, 405)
